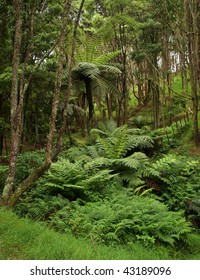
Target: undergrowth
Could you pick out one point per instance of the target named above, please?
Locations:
(113, 191)
(21, 239)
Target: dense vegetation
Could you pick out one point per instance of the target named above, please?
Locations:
(99, 127)
(24, 240)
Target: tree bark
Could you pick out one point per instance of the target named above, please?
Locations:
(90, 102)
(192, 17)
(15, 114)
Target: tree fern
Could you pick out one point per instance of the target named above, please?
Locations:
(104, 129)
(88, 48)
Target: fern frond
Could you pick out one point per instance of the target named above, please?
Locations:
(92, 151)
(129, 162)
(86, 69)
(98, 178)
(110, 69)
(105, 148)
(139, 141)
(64, 186)
(99, 162)
(107, 57)
(75, 153)
(88, 49)
(99, 132)
(108, 126)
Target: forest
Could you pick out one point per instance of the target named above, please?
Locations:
(99, 129)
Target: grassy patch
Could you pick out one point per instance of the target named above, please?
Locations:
(22, 239)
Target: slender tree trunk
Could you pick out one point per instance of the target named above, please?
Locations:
(191, 15)
(15, 109)
(156, 104)
(124, 88)
(1, 128)
(90, 102)
(68, 92)
(155, 93)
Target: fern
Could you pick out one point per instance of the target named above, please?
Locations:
(76, 153)
(92, 151)
(178, 179)
(107, 57)
(99, 162)
(139, 142)
(89, 49)
(109, 151)
(78, 179)
(113, 147)
(135, 161)
(124, 219)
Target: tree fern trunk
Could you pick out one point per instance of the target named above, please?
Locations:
(90, 102)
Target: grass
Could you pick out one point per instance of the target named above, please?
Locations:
(22, 239)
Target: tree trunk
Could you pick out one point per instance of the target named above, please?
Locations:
(15, 110)
(192, 17)
(156, 104)
(27, 183)
(1, 128)
(155, 90)
(90, 102)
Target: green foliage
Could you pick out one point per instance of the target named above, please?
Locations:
(4, 127)
(22, 239)
(117, 142)
(122, 219)
(116, 148)
(119, 218)
(194, 205)
(26, 162)
(107, 57)
(193, 211)
(89, 50)
(40, 204)
(77, 179)
(138, 121)
(83, 194)
(3, 174)
(178, 179)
